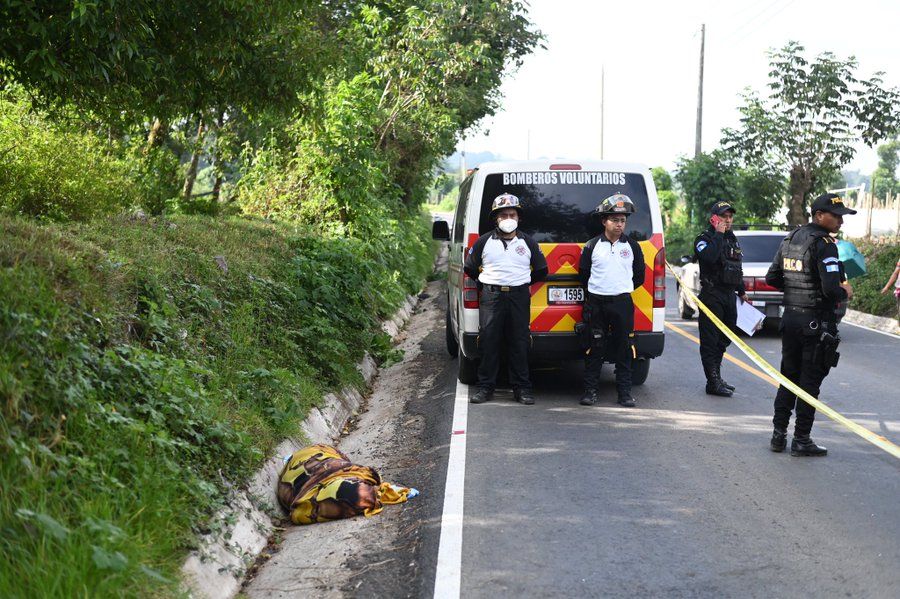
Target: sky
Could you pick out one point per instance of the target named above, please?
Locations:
(649, 52)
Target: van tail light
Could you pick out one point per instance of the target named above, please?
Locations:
(659, 279)
(757, 284)
(565, 167)
(470, 292)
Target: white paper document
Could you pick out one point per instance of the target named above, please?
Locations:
(749, 319)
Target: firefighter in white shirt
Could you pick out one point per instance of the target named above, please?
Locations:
(505, 262)
(611, 267)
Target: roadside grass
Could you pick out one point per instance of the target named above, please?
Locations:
(881, 258)
(145, 365)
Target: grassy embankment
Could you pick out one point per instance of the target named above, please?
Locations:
(144, 362)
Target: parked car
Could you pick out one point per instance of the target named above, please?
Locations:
(557, 201)
(759, 248)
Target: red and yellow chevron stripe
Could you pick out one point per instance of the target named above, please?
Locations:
(562, 259)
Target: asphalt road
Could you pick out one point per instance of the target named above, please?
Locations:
(679, 497)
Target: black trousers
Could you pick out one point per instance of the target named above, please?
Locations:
(713, 342)
(615, 317)
(504, 323)
(798, 344)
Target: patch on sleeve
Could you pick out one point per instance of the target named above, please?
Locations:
(832, 268)
(701, 246)
(471, 250)
(830, 259)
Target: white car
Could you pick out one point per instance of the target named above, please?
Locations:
(758, 248)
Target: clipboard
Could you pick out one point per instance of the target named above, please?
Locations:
(749, 319)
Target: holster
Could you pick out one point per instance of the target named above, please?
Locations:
(826, 354)
(591, 331)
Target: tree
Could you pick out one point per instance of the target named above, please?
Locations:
(814, 114)
(759, 192)
(705, 179)
(884, 179)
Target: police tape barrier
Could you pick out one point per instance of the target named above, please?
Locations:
(860, 430)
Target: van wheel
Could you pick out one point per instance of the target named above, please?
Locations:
(639, 370)
(683, 308)
(452, 344)
(468, 370)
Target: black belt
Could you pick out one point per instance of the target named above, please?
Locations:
(490, 287)
(609, 298)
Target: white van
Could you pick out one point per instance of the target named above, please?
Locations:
(557, 200)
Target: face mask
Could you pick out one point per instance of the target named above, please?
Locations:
(508, 225)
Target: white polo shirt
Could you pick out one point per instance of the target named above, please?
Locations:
(506, 263)
(612, 267)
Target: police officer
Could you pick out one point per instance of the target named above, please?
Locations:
(505, 262)
(721, 279)
(807, 268)
(611, 267)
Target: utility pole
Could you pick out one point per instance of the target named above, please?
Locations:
(700, 92)
(602, 92)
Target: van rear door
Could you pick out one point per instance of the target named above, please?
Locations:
(556, 212)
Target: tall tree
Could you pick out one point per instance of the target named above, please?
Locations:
(705, 179)
(815, 113)
(884, 179)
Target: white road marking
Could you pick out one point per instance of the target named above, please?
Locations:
(449, 563)
(862, 326)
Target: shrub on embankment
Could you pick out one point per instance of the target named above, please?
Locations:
(146, 362)
(881, 258)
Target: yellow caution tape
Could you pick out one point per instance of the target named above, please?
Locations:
(860, 430)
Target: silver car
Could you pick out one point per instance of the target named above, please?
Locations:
(759, 248)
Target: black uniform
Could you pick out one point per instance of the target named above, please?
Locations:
(807, 268)
(504, 314)
(721, 280)
(611, 321)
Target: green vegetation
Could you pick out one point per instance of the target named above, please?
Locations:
(282, 151)
(806, 129)
(881, 258)
(151, 358)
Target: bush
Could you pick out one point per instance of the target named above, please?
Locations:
(881, 258)
(56, 171)
(154, 360)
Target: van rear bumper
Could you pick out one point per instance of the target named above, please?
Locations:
(647, 344)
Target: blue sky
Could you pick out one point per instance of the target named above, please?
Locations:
(650, 53)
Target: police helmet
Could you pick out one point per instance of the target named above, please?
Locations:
(618, 203)
(505, 200)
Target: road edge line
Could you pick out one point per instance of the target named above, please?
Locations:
(448, 573)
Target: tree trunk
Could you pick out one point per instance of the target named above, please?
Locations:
(191, 175)
(217, 158)
(800, 184)
(157, 135)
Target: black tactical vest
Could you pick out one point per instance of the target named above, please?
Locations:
(728, 271)
(802, 287)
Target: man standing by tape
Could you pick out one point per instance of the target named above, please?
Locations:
(807, 268)
(721, 280)
(505, 262)
(611, 267)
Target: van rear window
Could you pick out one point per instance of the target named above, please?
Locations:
(556, 205)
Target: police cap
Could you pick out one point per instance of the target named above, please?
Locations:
(720, 208)
(830, 202)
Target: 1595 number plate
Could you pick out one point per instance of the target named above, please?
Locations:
(565, 295)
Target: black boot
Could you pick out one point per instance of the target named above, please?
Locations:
(481, 396)
(802, 446)
(714, 385)
(524, 396)
(725, 383)
(625, 399)
(589, 398)
(779, 440)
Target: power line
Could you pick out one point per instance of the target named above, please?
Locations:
(753, 18)
(761, 25)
